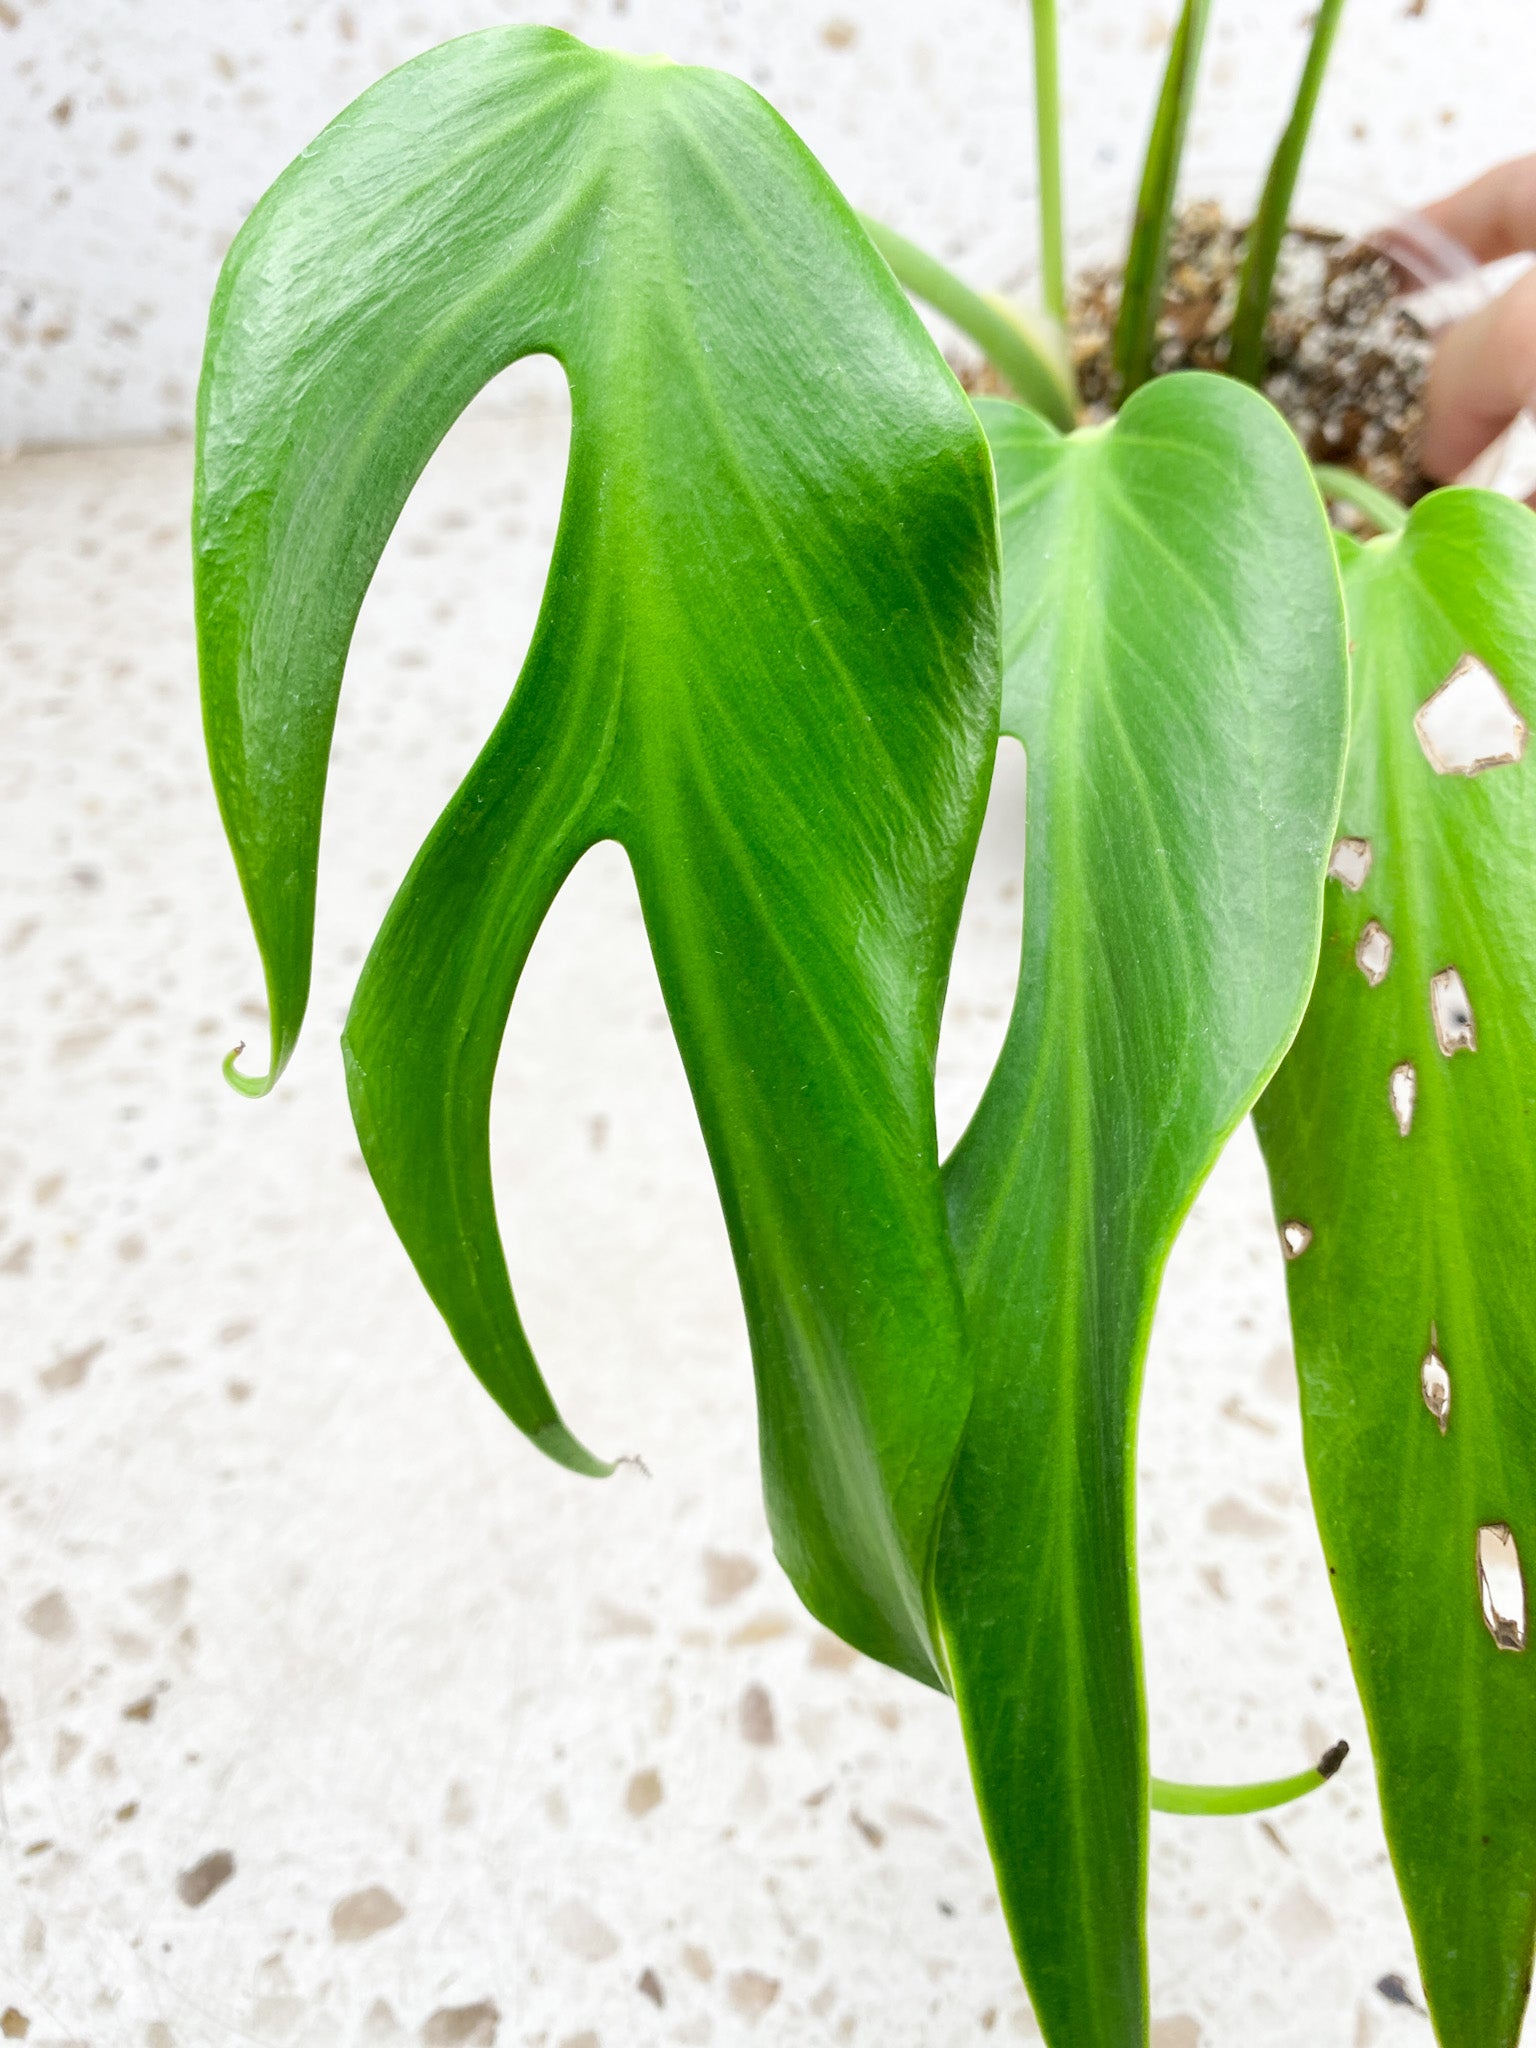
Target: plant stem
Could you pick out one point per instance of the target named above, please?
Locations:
(1246, 359)
(1383, 511)
(1053, 260)
(1146, 259)
(1226, 1799)
(1029, 355)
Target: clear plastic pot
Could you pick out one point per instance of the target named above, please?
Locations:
(1442, 283)
(1445, 283)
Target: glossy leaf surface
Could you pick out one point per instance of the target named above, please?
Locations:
(1174, 665)
(1411, 1202)
(765, 664)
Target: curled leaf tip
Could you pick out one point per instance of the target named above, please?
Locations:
(557, 1442)
(1212, 1800)
(257, 1085)
(247, 1084)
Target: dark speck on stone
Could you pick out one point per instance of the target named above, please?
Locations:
(1396, 1992)
(196, 1886)
(463, 2026)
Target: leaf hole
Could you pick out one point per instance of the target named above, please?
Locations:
(984, 971)
(1350, 863)
(1294, 1238)
(460, 590)
(1373, 953)
(1403, 1094)
(1451, 1009)
(611, 1258)
(1501, 1584)
(1435, 1383)
(1469, 723)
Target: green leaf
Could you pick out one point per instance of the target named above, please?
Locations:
(765, 664)
(1424, 1241)
(1174, 664)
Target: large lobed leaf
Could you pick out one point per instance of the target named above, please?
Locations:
(1174, 664)
(1410, 1205)
(765, 664)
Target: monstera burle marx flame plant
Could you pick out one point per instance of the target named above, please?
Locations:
(799, 585)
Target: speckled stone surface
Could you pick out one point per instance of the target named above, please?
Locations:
(332, 1712)
(139, 135)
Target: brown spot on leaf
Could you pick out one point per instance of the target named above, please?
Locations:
(1295, 1237)
(649, 1986)
(141, 1709)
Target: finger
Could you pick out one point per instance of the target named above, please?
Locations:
(1495, 215)
(1484, 371)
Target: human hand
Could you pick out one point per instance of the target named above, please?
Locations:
(1484, 369)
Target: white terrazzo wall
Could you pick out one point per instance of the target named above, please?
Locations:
(139, 133)
(331, 1713)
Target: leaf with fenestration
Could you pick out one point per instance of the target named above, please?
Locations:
(1174, 665)
(765, 664)
(1401, 1140)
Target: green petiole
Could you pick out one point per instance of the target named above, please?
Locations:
(1053, 261)
(1246, 359)
(1383, 511)
(1147, 257)
(1211, 1800)
(1028, 353)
